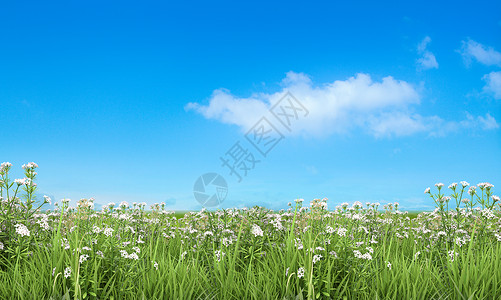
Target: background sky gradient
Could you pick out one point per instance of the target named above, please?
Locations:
(127, 101)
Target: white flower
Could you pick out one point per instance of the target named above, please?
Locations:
(83, 258)
(155, 265)
(47, 199)
(317, 257)
(333, 253)
(256, 230)
(299, 200)
(20, 181)
(5, 166)
(471, 190)
(67, 272)
(416, 256)
(495, 198)
(22, 230)
(329, 229)
(136, 249)
(219, 255)
(452, 255)
(342, 231)
(388, 264)
(464, 183)
(298, 243)
(357, 205)
(453, 185)
(108, 231)
(439, 185)
(96, 229)
(300, 272)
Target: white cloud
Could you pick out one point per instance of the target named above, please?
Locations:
(483, 54)
(381, 108)
(493, 84)
(427, 59)
(488, 122)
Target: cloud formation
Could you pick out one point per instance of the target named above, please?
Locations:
(493, 84)
(427, 59)
(483, 54)
(383, 108)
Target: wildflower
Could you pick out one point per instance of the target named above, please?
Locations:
(329, 229)
(108, 231)
(83, 257)
(30, 165)
(183, 254)
(96, 229)
(453, 186)
(136, 249)
(287, 272)
(465, 200)
(317, 257)
(20, 181)
(471, 190)
(439, 185)
(67, 272)
(256, 230)
(298, 243)
(333, 253)
(65, 244)
(133, 255)
(100, 253)
(53, 271)
(22, 230)
(495, 198)
(299, 200)
(47, 199)
(4, 167)
(464, 184)
(155, 265)
(140, 239)
(219, 255)
(388, 264)
(452, 255)
(416, 256)
(300, 272)
(1, 246)
(342, 231)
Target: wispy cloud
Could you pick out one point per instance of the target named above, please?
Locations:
(493, 84)
(486, 55)
(383, 108)
(427, 59)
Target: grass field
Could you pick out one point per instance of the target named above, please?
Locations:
(358, 251)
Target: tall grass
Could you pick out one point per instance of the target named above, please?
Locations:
(352, 252)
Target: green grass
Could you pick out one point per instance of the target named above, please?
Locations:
(257, 266)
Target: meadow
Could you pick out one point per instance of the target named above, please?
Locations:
(351, 251)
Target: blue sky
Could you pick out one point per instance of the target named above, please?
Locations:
(127, 101)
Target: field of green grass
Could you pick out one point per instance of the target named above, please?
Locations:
(308, 251)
